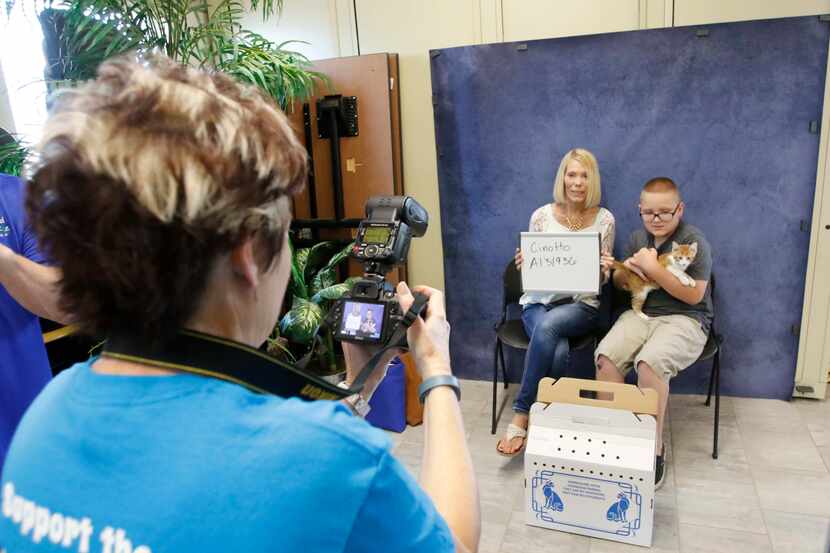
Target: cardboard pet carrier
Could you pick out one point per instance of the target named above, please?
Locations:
(589, 463)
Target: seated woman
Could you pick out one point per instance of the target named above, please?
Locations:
(163, 194)
(550, 319)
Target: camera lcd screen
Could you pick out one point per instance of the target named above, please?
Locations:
(376, 235)
(362, 320)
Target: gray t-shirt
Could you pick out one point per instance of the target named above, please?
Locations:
(660, 302)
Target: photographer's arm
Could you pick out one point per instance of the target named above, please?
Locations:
(447, 473)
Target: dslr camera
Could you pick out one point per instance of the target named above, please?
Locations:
(369, 312)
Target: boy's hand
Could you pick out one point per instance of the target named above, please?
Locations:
(645, 259)
(518, 259)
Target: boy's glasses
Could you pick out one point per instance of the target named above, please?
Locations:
(664, 216)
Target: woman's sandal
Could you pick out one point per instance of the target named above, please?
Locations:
(513, 431)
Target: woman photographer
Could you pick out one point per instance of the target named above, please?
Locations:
(550, 319)
(163, 194)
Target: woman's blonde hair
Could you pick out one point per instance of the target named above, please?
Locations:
(589, 162)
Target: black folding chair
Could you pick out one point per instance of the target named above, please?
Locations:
(712, 351)
(511, 332)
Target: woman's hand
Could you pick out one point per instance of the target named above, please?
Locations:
(357, 355)
(606, 263)
(429, 338)
(519, 258)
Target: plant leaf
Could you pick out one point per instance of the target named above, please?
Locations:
(323, 279)
(318, 257)
(334, 292)
(301, 322)
(340, 256)
(13, 155)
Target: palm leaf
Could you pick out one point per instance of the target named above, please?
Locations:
(200, 32)
(13, 156)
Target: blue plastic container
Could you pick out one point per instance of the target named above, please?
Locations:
(389, 400)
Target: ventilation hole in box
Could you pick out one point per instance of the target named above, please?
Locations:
(641, 479)
(558, 449)
(602, 454)
(581, 470)
(561, 436)
(573, 451)
(587, 453)
(618, 457)
(592, 472)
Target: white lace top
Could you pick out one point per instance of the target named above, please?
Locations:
(543, 220)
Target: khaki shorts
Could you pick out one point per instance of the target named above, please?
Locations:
(668, 344)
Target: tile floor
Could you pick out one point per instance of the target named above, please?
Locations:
(769, 490)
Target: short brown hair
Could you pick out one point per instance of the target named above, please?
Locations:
(145, 176)
(661, 184)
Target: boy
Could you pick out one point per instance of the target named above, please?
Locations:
(679, 316)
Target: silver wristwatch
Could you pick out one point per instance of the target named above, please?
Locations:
(356, 401)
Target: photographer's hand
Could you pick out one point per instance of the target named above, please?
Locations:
(445, 446)
(357, 355)
(429, 338)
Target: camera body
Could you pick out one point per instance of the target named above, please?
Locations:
(369, 312)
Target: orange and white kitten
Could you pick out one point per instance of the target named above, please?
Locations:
(676, 262)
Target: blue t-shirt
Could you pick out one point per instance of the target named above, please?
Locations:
(192, 464)
(24, 365)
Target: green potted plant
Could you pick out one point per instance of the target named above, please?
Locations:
(200, 33)
(312, 291)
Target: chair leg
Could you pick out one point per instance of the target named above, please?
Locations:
(716, 372)
(503, 365)
(711, 383)
(495, 383)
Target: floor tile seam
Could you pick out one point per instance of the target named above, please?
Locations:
(757, 493)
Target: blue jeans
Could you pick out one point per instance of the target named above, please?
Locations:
(549, 352)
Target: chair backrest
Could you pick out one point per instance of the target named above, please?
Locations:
(512, 280)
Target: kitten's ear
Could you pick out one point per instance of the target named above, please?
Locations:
(693, 247)
(674, 246)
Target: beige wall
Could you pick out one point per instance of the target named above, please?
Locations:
(695, 12)
(312, 21)
(411, 29)
(6, 119)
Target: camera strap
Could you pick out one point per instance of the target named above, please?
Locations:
(207, 355)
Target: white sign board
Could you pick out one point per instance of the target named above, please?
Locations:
(561, 262)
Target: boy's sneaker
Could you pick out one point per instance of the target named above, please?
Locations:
(660, 469)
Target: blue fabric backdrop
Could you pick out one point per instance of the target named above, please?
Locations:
(726, 115)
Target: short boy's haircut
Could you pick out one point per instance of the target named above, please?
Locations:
(662, 184)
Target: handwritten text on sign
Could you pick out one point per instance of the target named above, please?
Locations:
(562, 262)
